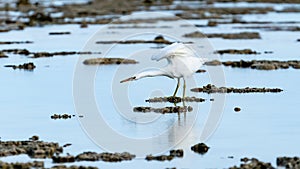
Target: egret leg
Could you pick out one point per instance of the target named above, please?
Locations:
(178, 83)
(183, 95)
(184, 87)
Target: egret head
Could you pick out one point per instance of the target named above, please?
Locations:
(128, 79)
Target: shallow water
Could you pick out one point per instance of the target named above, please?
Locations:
(266, 127)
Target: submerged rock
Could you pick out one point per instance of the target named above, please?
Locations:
(106, 61)
(200, 148)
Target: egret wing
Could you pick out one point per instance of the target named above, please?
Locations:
(173, 50)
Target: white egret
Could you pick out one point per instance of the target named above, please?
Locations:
(182, 63)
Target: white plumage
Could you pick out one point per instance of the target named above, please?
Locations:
(182, 63)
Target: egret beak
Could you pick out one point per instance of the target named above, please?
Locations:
(129, 79)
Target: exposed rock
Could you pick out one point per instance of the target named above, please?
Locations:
(14, 42)
(59, 33)
(219, 12)
(200, 148)
(2, 55)
(201, 71)
(213, 63)
(25, 66)
(23, 2)
(46, 54)
(242, 35)
(272, 28)
(213, 89)
(116, 157)
(212, 23)
(159, 158)
(63, 159)
(135, 42)
(49, 54)
(289, 9)
(237, 109)
(72, 167)
(235, 51)
(83, 24)
(158, 40)
(262, 1)
(177, 153)
(39, 18)
(17, 165)
(105, 61)
(172, 99)
(108, 157)
(196, 34)
(67, 145)
(263, 66)
(288, 162)
(296, 66)
(140, 27)
(34, 149)
(258, 64)
(172, 154)
(176, 109)
(34, 138)
(254, 164)
(61, 116)
(88, 156)
(17, 51)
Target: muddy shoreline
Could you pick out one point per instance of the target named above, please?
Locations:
(40, 15)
